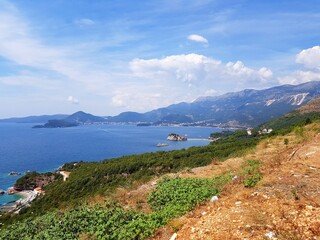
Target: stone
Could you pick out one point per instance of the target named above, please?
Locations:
(174, 236)
(214, 199)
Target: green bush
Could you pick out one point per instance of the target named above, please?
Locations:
(180, 195)
(251, 173)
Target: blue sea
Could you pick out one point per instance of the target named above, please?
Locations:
(23, 148)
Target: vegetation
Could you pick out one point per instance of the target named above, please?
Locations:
(222, 134)
(179, 195)
(112, 221)
(56, 123)
(288, 122)
(251, 173)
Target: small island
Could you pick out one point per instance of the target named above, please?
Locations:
(56, 124)
(176, 137)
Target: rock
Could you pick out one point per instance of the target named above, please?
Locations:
(270, 235)
(214, 199)
(174, 236)
(309, 207)
(234, 178)
(204, 213)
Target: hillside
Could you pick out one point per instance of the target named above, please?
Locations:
(245, 108)
(311, 107)
(283, 205)
(299, 117)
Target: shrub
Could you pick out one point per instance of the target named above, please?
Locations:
(251, 173)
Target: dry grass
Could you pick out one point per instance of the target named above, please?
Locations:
(285, 202)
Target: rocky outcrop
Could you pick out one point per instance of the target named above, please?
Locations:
(311, 106)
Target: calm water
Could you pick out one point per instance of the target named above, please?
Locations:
(23, 148)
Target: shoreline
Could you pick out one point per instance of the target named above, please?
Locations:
(27, 196)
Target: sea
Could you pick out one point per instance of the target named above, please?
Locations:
(23, 148)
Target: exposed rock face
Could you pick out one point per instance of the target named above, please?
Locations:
(33, 179)
(311, 106)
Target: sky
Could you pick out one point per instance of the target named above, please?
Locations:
(105, 57)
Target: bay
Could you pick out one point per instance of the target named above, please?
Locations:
(23, 148)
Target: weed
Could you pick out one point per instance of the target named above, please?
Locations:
(294, 193)
(251, 173)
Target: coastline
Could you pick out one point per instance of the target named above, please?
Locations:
(27, 196)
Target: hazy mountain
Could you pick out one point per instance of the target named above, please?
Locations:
(34, 119)
(73, 120)
(82, 117)
(247, 108)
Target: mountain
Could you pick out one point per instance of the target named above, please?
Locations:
(299, 117)
(82, 117)
(34, 119)
(245, 108)
(73, 120)
(311, 107)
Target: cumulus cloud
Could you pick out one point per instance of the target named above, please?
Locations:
(195, 68)
(72, 100)
(310, 57)
(188, 76)
(300, 76)
(141, 99)
(85, 22)
(197, 38)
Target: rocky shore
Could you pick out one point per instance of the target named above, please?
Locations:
(17, 206)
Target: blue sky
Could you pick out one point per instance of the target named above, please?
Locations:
(106, 57)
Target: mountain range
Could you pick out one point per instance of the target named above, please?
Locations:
(247, 108)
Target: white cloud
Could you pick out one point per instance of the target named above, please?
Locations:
(197, 38)
(195, 68)
(310, 57)
(265, 72)
(300, 76)
(186, 77)
(85, 22)
(72, 100)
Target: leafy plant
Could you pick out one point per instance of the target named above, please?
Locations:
(251, 173)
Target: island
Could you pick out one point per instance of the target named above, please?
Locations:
(176, 137)
(55, 123)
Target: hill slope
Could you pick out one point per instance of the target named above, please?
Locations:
(283, 205)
